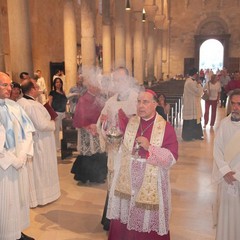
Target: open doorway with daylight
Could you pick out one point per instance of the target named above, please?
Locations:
(211, 55)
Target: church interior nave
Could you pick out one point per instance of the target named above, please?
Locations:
(77, 214)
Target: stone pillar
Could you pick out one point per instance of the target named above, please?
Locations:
(151, 12)
(88, 46)
(70, 45)
(159, 54)
(165, 53)
(150, 52)
(129, 44)
(106, 37)
(168, 23)
(20, 38)
(138, 36)
(120, 44)
(159, 21)
(2, 61)
(138, 47)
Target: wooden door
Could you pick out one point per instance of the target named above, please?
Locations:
(188, 64)
(54, 66)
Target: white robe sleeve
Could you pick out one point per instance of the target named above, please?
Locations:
(39, 117)
(161, 157)
(7, 158)
(220, 164)
(218, 154)
(195, 88)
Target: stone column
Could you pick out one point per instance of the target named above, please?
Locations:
(106, 37)
(2, 62)
(70, 45)
(159, 54)
(159, 20)
(150, 52)
(20, 38)
(129, 44)
(168, 23)
(138, 47)
(120, 44)
(138, 68)
(88, 46)
(165, 53)
(151, 12)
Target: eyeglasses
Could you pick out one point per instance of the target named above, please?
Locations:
(5, 85)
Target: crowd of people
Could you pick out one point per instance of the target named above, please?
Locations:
(29, 171)
(123, 137)
(217, 87)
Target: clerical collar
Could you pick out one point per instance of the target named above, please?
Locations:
(28, 97)
(148, 118)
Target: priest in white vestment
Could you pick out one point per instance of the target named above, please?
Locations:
(116, 112)
(192, 111)
(226, 173)
(45, 170)
(16, 147)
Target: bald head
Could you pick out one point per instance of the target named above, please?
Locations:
(5, 85)
(4, 75)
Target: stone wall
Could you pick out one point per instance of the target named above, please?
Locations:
(187, 16)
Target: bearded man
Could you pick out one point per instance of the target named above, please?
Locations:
(226, 172)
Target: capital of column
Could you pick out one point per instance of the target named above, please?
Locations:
(151, 11)
(159, 21)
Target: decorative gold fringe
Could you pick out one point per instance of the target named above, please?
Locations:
(148, 193)
(147, 206)
(119, 194)
(123, 184)
(147, 197)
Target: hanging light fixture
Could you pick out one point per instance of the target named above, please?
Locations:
(128, 7)
(143, 15)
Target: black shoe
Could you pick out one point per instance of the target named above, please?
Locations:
(25, 237)
(106, 224)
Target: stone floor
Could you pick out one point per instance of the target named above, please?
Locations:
(77, 214)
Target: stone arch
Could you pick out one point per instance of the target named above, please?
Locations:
(212, 28)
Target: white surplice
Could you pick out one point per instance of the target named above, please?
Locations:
(111, 109)
(43, 90)
(45, 171)
(226, 159)
(10, 225)
(14, 194)
(113, 105)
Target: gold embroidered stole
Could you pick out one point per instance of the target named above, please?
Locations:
(123, 185)
(147, 196)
